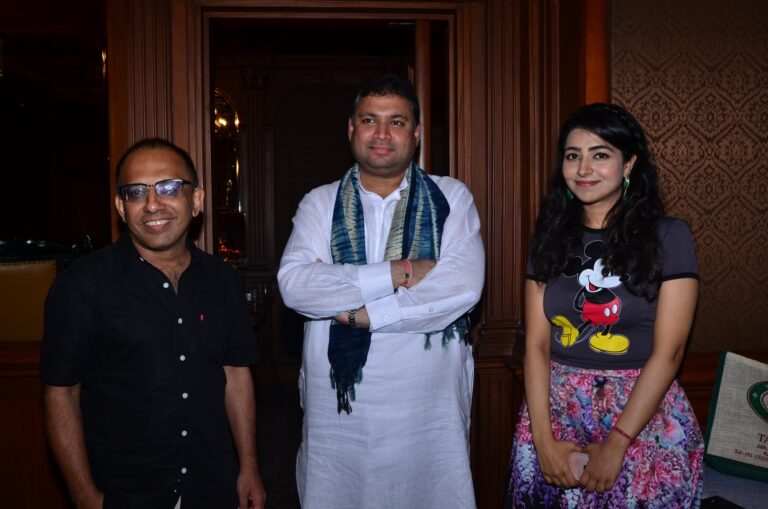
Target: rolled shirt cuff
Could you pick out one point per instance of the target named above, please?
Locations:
(375, 281)
(384, 311)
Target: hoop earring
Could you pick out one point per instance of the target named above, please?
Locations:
(625, 184)
(568, 193)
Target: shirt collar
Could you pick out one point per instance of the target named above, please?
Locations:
(394, 195)
(127, 255)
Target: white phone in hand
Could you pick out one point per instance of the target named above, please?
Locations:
(577, 461)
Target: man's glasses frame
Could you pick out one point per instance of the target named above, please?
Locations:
(167, 188)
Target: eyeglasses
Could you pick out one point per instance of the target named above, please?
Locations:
(168, 188)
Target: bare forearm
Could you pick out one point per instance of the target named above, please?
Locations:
(649, 391)
(537, 366)
(537, 370)
(241, 412)
(552, 454)
(64, 427)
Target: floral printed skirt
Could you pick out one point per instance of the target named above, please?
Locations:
(662, 467)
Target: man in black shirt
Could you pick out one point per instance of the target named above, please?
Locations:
(148, 392)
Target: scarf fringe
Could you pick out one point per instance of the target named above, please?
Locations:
(345, 390)
(457, 330)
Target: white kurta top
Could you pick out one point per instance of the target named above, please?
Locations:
(405, 444)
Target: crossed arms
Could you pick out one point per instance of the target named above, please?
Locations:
(439, 292)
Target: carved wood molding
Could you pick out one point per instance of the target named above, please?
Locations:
(596, 59)
(519, 79)
(138, 74)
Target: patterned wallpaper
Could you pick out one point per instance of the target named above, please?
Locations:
(695, 73)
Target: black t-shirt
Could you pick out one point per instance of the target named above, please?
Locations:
(596, 322)
(150, 364)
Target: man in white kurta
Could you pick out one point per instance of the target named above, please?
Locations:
(405, 442)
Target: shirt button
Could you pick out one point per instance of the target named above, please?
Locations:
(184, 433)
(184, 395)
(182, 358)
(386, 318)
(166, 285)
(183, 470)
(180, 321)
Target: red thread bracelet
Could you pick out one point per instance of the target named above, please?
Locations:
(407, 272)
(623, 433)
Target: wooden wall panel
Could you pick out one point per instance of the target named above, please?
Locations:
(498, 395)
(596, 58)
(521, 117)
(583, 53)
(29, 477)
(138, 76)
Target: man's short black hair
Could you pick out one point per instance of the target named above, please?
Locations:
(155, 144)
(389, 84)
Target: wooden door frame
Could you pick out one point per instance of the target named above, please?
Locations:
(191, 84)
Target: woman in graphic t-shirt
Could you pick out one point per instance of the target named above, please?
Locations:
(609, 301)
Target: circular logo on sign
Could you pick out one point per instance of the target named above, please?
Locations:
(757, 396)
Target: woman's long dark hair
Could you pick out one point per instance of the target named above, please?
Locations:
(633, 246)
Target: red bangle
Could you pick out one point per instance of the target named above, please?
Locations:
(623, 433)
(407, 272)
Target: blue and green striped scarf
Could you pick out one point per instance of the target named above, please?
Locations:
(416, 233)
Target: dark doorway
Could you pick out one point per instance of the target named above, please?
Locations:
(291, 84)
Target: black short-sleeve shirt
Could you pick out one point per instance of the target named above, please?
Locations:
(150, 362)
(597, 322)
